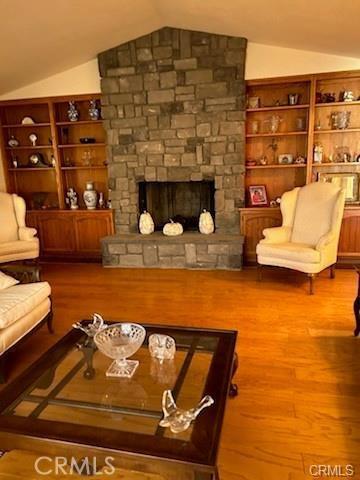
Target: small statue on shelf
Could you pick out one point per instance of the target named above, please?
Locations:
(94, 111)
(73, 113)
(33, 139)
(72, 199)
(101, 201)
(13, 142)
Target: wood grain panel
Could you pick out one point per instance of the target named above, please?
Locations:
(56, 233)
(89, 229)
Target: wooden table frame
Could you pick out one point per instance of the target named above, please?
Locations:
(197, 455)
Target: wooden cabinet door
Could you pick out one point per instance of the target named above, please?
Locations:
(252, 224)
(56, 233)
(89, 229)
(349, 243)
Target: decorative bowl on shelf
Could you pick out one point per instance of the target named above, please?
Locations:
(120, 341)
(87, 140)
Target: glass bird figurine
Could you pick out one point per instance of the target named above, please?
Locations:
(179, 420)
(91, 328)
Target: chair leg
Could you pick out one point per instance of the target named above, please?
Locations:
(311, 283)
(2, 369)
(259, 272)
(332, 271)
(49, 322)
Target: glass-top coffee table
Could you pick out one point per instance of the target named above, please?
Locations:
(65, 404)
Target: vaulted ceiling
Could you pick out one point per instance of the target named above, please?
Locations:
(42, 37)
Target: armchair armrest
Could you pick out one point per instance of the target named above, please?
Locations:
(326, 240)
(276, 235)
(27, 233)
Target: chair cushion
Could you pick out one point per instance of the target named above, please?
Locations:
(6, 281)
(298, 252)
(8, 221)
(17, 301)
(314, 212)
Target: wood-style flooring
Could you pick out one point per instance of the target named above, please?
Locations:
(299, 374)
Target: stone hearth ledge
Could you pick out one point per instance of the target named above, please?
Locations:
(192, 250)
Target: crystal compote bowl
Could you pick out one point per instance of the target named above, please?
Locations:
(120, 341)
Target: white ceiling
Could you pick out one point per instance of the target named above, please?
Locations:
(42, 37)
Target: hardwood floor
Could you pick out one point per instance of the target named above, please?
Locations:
(299, 373)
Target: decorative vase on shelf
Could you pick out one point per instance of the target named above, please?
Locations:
(73, 113)
(94, 111)
(90, 196)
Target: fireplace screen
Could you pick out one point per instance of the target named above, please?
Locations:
(181, 201)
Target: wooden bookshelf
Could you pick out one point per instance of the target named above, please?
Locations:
(273, 95)
(71, 164)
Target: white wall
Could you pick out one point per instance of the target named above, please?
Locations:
(263, 61)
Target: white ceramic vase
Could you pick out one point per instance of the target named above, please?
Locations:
(146, 223)
(206, 223)
(90, 196)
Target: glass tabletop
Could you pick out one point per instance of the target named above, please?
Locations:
(66, 396)
(76, 389)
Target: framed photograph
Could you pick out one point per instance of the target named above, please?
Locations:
(258, 196)
(348, 181)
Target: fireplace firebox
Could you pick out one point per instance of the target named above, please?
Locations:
(181, 201)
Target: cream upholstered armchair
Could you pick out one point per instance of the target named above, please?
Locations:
(308, 239)
(17, 242)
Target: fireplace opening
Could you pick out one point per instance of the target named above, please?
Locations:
(181, 201)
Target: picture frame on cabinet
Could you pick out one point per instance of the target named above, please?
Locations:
(258, 196)
(348, 181)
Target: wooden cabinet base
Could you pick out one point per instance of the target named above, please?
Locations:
(71, 235)
(254, 220)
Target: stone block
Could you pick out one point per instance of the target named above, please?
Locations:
(171, 160)
(162, 52)
(185, 98)
(134, 248)
(121, 98)
(151, 110)
(144, 54)
(225, 73)
(232, 158)
(161, 96)
(118, 72)
(110, 260)
(196, 177)
(174, 150)
(166, 250)
(131, 260)
(124, 58)
(188, 159)
(149, 147)
(184, 90)
(178, 261)
(216, 160)
(218, 148)
(151, 81)
(219, 201)
(161, 174)
(190, 253)
(199, 154)
(116, 248)
(162, 134)
(109, 85)
(168, 79)
(108, 112)
(153, 122)
(182, 121)
(150, 255)
(231, 128)
(206, 258)
(211, 90)
(185, 132)
(203, 129)
(220, 101)
(235, 261)
(175, 142)
(185, 64)
(165, 262)
(150, 174)
(128, 122)
(218, 249)
(129, 111)
(154, 159)
(234, 57)
(193, 106)
(193, 77)
(118, 170)
(179, 174)
(122, 183)
(133, 83)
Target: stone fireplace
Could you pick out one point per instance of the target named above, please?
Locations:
(173, 108)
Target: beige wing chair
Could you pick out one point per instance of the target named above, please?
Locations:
(308, 239)
(17, 242)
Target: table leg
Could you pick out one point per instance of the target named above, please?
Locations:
(357, 316)
(233, 391)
